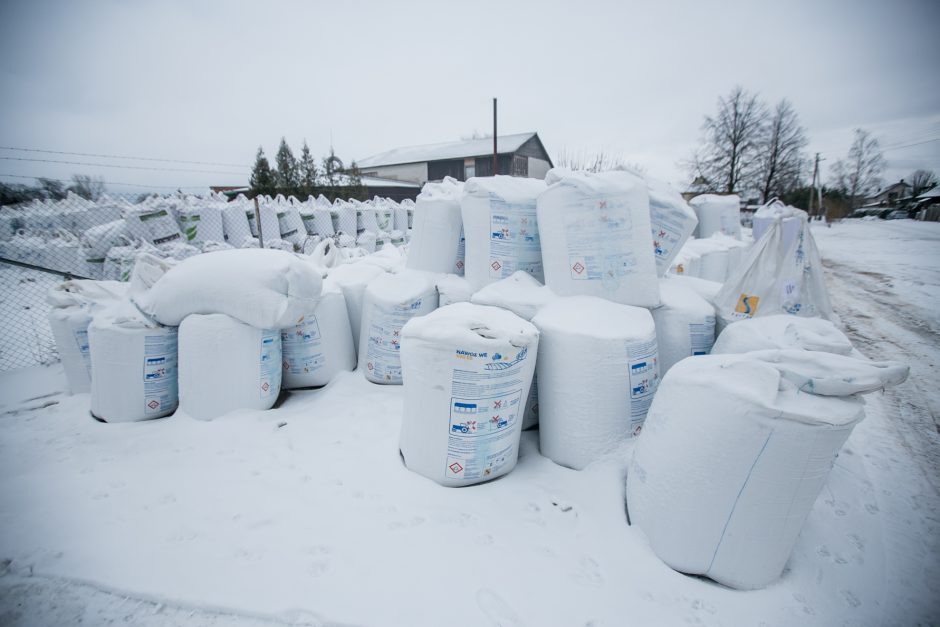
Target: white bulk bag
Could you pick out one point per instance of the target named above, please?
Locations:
(401, 219)
(268, 289)
(704, 288)
(321, 346)
(118, 263)
(453, 289)
(270, 226)
(95, 243)
(366, 241)
(717, 214)
(226, 365)
(735, 451)
(390, 301)
(466, 370)
(237, 221)
(366, 219)
(598, 372)
(672, 221)
(685, 324)
(501, 228)
(153, 225)
(343, 216)
(70, 330)
(782, 331)
(317, 221)
(291, 226)
(133, 366)
(438, 226)
(711, 259)
(773, 211)
(774, 280)
(202, 222)
(595, 231)
(352, 279)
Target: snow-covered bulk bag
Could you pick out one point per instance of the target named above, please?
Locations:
(401, 219)
(178, 250)
(352, 279)
(321, 346)
(267, 289)
(133, 366)
(598, 372)
(366, 241)
(384, 218)
(467, 370)
(226, 365)
(118, 263)
(435, 242)
(366, 219)
(389, 259)
(717, 214)
(390, 301)
(155, 225)
(270, 226)
(735, 450)
(685, 324)
(686, 262)
(672, 221)
(95, 243)
(595, 231)
(291, 226)
(202, 222)
(782, 331)
(317, 221)
(237, 223)
(453, 289)
(704, 288)
(773, 211)
(711, 259)
(70, 330)
(501, 228)
(344, 217)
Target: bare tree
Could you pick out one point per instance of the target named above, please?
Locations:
(859, 174)
(922, 181)
(781, 155)
(728, 154)
(595, 161)
(88, 187)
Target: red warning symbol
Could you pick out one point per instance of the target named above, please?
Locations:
(153, 404)
(578, 267)
(496, 266)
(455, 468)
(265, 386)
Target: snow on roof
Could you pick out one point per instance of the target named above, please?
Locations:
(375, 181)
(932, 193)
(448, 150)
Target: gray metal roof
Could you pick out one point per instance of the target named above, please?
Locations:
(448, 150)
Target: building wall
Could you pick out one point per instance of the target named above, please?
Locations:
(538, 168)
(411, 172)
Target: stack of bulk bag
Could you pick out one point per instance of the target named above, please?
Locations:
(453, 289)
(344, 218)
(597, 371)
(717, 214)
(267, 289)
(391, 300)
(133, 366)
(501, 228)
(352, 279)
(73, 303)
(435, 242)
(523, 295)
(238, 223)
(227, 365)
(685, 324)
(321, 346)
(595, 232)
(153, 225)
(467, 370)
(735, 451)
(774, 279)
(201, 222)
(782, 331)
(95, 243)
(672, 221)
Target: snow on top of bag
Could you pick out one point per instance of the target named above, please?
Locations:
(509, 188)
(82, 292)
(596, 317)
(471, 323)
(782, 331)
(829, 374)
(520, 293)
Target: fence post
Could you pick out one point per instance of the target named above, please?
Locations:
(258, 222)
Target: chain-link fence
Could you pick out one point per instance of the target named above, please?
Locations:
(43, 242)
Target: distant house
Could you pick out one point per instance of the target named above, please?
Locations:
(518, 155)
(890, 195)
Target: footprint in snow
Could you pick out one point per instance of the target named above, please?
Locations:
(496, 610)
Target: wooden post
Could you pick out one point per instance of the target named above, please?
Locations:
(494, 137)
(258, 222)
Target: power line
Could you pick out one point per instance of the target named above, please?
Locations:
(90, 154)
(123, 167)
(926, 141)
(21, 176)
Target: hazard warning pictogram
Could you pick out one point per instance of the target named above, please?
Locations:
(455, 468)
(265, 386)
(153, 404)
(578, 267)
(496, 266)
(460, 265)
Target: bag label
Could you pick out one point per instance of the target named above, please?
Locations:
(269, 364)
(302, 347)
(383, 357)
(643, 362)
(81, 340)
(702, 336)
(161, 392)
(596, 234)
(514, 239)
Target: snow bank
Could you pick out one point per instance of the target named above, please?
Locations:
(598, 372)
(321, 346)
(438, 227)
(672, 221)
(685, 324)
(782, 331)
(595, 232)
(266, 289)
(501, 228)
(390, 301)
(226, 365)
(734, 452)
(466, 369)
(717, 214)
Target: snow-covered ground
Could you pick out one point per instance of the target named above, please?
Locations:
(305, 514)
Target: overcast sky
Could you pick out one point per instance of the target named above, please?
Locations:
(211, 81)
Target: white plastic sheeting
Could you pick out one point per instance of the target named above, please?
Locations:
(597, 371)
(467, 370)
(735, 451)
(685, 324)
(782, 331)
(595, 231)
(717, 214)
(321, 346)
(226, 365)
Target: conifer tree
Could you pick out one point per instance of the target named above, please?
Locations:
(286, 175)
(262, 178)
(306, 173)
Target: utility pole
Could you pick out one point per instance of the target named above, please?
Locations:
(494, 136)
(812, 191)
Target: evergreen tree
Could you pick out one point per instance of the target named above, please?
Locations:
(306, 173)
(354, 187)
(262, 178)
(286, 178)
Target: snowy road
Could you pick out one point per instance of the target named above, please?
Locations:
(179, 522)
